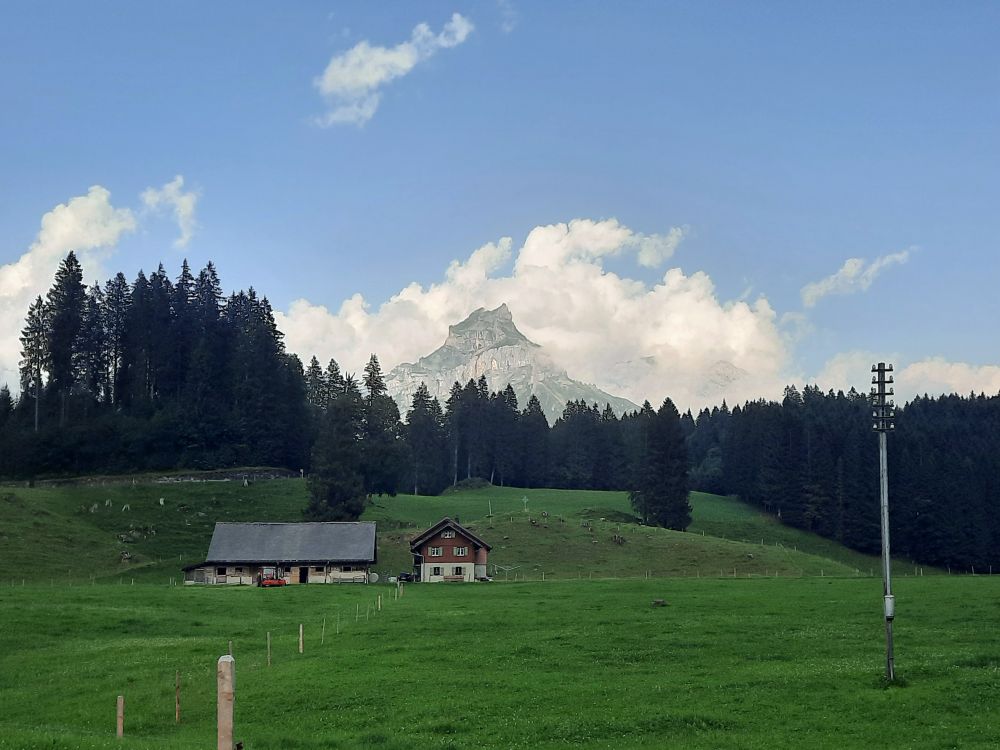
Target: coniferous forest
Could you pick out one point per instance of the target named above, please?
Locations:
(158, 374)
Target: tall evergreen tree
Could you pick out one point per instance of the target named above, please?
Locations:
(660, 493)
(34, 353)
(117, 300)
(427, 444)
(336, 482)
(65, 301)
(533, 438)
(382, 447)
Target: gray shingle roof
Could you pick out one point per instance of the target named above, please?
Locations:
(292, 542)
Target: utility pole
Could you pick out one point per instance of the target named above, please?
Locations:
(883, 421)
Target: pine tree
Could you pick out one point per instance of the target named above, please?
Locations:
(65, 303)
(315, 385)
(533, 438)
(427, 444)
(117, 300)
(336, 483)
(661, 491)
(6, 405)
(503, 431)
(34, 352)
(381, 445)
(89, 351)
(333, 383)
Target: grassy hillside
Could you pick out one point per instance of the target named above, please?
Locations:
(761, 663)
(77, 532)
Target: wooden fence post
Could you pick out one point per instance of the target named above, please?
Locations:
(120, 717)
(301, 644)
(322, 635)
(226, 679)
(177, 697)
(268, 648)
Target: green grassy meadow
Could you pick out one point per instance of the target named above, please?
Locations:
(729, 663)
(772, 637)
(83, 529)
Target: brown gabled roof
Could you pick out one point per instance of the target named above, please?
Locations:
(440, 526)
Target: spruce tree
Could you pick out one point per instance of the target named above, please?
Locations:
(660, 493)
(426, 443)
(34, 353)
(336, 483)
(382, 448)
(65, 303)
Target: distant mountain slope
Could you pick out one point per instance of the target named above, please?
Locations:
(488, 343)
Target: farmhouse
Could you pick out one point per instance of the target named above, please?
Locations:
(448, 551)
(295, 552)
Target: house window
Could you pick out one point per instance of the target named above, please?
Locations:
(435, 551)
(318, 570)
(239, 570)
(220, 571)
(448, 534)
(435, 571)
(461, 551)
(458, 570)
(347, 569)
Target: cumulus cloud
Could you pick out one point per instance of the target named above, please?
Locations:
(90, 226)
(172, 197)
(856, 275)
(87, 224)
(629, 337)
(932, 376)
(352, 80)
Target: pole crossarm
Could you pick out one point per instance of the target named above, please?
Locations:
(884, 421)
(883, 407)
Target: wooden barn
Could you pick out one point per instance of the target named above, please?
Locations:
(448, 551)
(243, 553)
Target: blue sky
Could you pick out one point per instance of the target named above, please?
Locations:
(779, 139)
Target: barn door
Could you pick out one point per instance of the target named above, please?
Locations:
(304, 575)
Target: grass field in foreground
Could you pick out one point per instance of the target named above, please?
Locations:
(744, 663)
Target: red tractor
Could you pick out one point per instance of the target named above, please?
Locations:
(269, 576)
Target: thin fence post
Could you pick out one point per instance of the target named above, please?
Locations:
(177, 697)
(268, 648)
(120, 717)
(301, 643)
(230, 648)
(226, 682)
(322, 635)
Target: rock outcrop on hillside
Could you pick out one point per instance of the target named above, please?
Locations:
(488, 343)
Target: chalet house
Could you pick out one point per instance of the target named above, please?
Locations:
(448, 551)
(296, 552)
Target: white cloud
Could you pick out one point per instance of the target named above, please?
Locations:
(936, 376)
(933, 376)
(854, 276)
(87, 224)
(590, 320)
(352, 80)
(508, 16)
(172, 196)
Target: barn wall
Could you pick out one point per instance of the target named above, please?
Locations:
(246, 574)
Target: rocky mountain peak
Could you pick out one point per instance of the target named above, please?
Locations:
(488, 344)
(484, 329)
